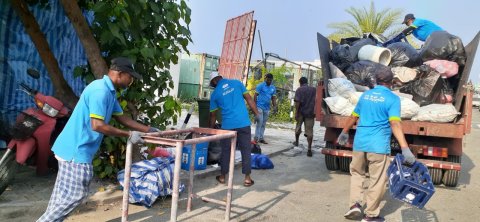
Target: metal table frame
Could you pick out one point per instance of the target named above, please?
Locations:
(200, 135)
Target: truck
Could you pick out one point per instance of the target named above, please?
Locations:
(437, 145)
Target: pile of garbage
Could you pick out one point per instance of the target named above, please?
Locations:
(426, 80)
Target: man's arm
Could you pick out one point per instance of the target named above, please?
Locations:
(100, 126)
(131, 124)
(274, 101)
(398, 132)
(408, 30)
(350, 122)
(297, 107)
(255, 97)
(251, 103)
(213, 118)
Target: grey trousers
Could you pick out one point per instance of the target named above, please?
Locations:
(244, 135)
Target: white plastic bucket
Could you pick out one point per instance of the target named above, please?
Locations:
(375, 54)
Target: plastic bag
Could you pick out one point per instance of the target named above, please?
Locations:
(445, 46)
(403, 54)
(408, 108)
(440, 113)
(360, 88)
(426, 88)
(260, 161)
(404, 74)
(344, 55)
(444, 67)
(214, 152)
(363, 73)
(340, 87)
(354, 97)
(335, 71)
(339, 105)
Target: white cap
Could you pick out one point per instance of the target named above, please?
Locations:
(213, 75)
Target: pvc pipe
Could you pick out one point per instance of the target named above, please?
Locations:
(375, 54)
(126, 181)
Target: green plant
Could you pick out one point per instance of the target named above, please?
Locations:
(151, 34)
(283, 114)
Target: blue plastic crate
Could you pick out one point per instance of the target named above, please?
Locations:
(410, 184)
(200, 157)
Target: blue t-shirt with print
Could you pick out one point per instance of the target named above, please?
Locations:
(78, 142)
(228, 97)
(264, 96)
(375, 108)
(423, 28)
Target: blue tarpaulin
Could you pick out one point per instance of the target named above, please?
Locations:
(18, 53)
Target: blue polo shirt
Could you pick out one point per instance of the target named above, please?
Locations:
(423, 28)
(78, 142)
(265, 94)
(228, 96)
(375, 109)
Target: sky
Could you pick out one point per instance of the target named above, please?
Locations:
(288, 27)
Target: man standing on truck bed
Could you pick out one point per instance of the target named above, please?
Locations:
(421, 28)
(378, 112)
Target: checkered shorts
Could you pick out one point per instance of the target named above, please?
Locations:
(71, 187)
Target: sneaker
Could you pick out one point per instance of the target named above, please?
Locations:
(355, 212)
(373, 219)
(263, 141)
(309, 153)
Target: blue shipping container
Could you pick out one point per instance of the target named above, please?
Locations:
(200, 157)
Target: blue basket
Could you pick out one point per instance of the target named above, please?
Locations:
(200, 156)
(410, 184)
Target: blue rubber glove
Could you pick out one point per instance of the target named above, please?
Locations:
(342, 139)
(136, 137)
(409, 157)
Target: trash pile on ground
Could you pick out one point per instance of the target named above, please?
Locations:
(425, 79)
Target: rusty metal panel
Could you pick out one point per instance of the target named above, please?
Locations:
(237, 40)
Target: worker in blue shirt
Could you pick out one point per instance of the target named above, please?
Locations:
(421, 28)
(229, 96)
(264, 94)
(378, 115)
(77, 144)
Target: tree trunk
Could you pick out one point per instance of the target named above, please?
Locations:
(62, 90)
(97, 63)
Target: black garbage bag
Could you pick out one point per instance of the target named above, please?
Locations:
(403, 54)
(363, 72)
(214, 152)
(426, 88)
(344, 55)
(443, 45)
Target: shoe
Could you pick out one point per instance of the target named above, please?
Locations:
(309, 153)
(354, 213)
(373, 219)
(263, 141)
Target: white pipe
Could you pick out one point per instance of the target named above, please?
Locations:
(375, 54)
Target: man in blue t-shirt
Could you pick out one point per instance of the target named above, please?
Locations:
(77, 144)
(421, 28)
(229, 96)
(378, 115)
(264, 94)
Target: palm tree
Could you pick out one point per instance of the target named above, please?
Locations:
(385, 22)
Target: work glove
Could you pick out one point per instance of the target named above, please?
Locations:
(257, 119)
(153, 130)
(136, 137)
(342, 139)
(409, 157)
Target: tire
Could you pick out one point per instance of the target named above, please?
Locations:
(331, 162)
(450, 177)
(345, 164)
(7, 171)
(436, 175)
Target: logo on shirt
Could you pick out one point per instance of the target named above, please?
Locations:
(225, 86)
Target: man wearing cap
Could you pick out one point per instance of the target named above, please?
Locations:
(264, 94)
(378, 115)
(77, 144)
(421, 28)
(229, 96)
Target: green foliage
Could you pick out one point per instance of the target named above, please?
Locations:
(385, 22)
(283, 114)
(151, 34)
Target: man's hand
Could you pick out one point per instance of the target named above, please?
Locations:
(409, 157)
(256, 119)
(153, 130)
(342, 138)
(275, 110)
(136, 137)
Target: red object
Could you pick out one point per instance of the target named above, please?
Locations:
(444, 67)
(160, 152)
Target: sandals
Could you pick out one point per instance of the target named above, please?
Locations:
(248, 184)
(219, 180)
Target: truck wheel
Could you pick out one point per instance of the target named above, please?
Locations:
(450, 177)
(436, 175)
(344, 164)
(331, 162)
(7, 171)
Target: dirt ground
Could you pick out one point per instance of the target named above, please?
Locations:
(302, 189)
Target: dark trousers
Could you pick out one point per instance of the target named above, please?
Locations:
(244, 136)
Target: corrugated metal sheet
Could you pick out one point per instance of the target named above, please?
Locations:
(17, 54)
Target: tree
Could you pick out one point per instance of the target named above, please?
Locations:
(369, 20)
